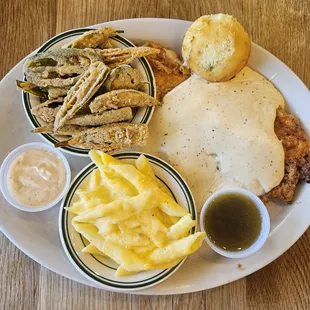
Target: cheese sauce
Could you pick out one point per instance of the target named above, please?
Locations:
(36, 178)
(221, 135)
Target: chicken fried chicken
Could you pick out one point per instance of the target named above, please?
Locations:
(169, 73)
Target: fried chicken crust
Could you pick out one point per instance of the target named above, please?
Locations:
(296, 148)
(167, 68)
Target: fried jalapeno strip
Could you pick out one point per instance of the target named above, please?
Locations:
(121, 98)
(59, 68)
(110, 137)
(108, 117)
(93, 38)
(80, 94)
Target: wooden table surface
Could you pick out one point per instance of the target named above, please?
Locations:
(280, 26)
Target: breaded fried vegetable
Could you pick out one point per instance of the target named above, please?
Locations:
(107, 44)
(55, 92)
(47, 110)
(80, 94)
(116, 56)
(31, 89)
(46, 114)
(107, 117)
(123, 77)
(121, 98)
(93, 38)
(59, 68)
(109, 138)
(67, 130)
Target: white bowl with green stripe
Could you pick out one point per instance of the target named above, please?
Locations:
(101, 270)
(140, 115)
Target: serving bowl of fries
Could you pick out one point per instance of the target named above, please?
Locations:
(128, 222)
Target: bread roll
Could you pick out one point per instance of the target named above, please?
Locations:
(216, 47)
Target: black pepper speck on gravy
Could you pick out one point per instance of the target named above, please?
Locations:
(236, 130)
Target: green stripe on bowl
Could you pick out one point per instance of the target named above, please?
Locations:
(65, 222)
(146, 66)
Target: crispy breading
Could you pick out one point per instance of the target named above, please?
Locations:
(107, 117)
(107, 44)
(285, 191)
(46, 114)
(123, 77)
(66, 130)
(92, 38)
(55, 92)
(117, 56)
(31, 89)
(294, 139)
(167, 68)
(79, 95)
(60, 67)
(305, 170)
(47, 110)
(296, 148)
(116, 99)
(110, 137)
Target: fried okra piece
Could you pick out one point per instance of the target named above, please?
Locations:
(31, 89)
(47, 110)
(110, 137)
(67, 130)
(93, 38)
(121, 98)
(114, 57)
(107, 117)
(80, 94)
(123, 77)
(59, 68)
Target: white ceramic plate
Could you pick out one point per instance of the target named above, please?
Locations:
(101, 270)
(37, 234)
(140, 115)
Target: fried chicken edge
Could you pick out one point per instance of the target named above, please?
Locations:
(296, 149)
(168, 69)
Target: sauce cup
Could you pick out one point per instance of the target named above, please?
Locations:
(265, 225)
(8, 162)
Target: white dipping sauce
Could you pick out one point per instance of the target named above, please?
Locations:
(221, 135)
(36, 177)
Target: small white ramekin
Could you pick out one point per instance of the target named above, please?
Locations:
(8, 162)
(264, 229)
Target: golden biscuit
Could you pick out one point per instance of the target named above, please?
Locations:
(216, 47)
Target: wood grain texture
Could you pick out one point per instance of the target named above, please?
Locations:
(280, 26)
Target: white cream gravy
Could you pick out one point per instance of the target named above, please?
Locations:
(221, 135)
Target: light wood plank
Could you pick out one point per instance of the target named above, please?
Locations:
(189, 301)
(19, 278)
(285, 283)
(22, 29)
(58, 293)
(229, 297)
(151, 302)
(280, 26)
